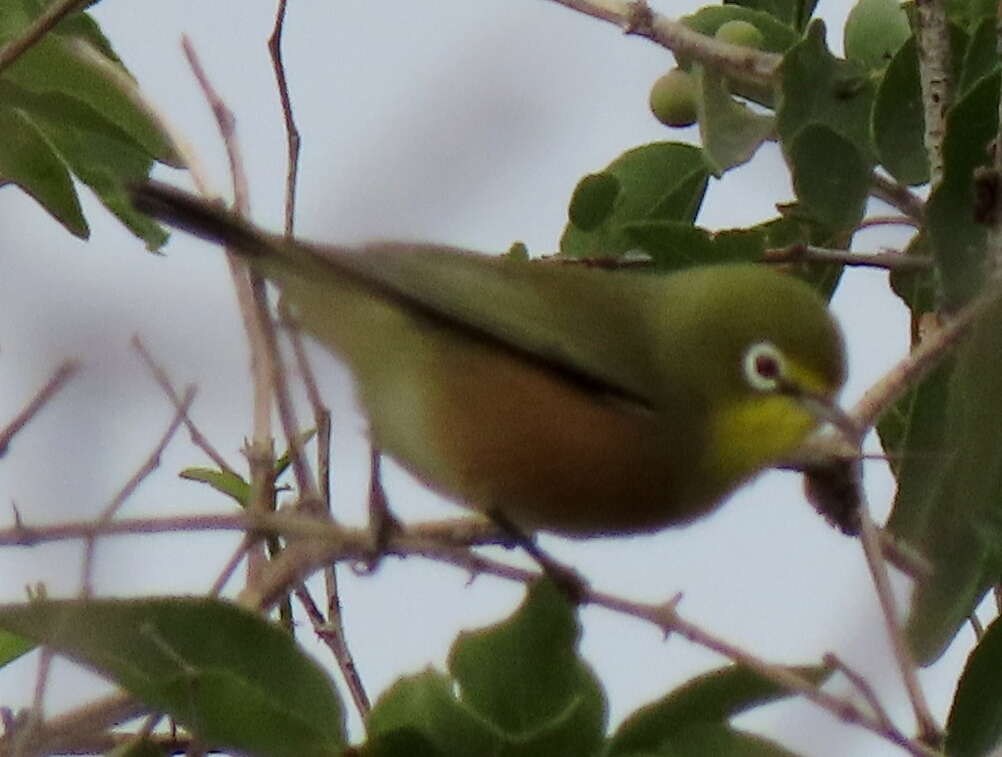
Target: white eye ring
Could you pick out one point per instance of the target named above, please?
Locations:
(764, 367)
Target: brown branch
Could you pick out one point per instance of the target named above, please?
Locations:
(636, 18)
(57, 381)
(293, 139)
(898, 197)
(893, 261)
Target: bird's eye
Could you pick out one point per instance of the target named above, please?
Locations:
(764, 367)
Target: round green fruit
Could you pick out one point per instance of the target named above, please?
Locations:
(673, 99)
(741, 33)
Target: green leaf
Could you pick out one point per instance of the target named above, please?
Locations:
(525, 677)
(593, 200)
(730, 131)
(13, 646)
(99, 153)
(777, 36)
(141, 748)
(898, 120)
(794, 13)
(425, 710)
(660, 181)
(230, 484)
(970, 13)
(898, 117)
(27, 159)
(57, 64)
(874, 31)
(974, 727)
(712, 698)
(816, 88)
(957, 238)
(953, 520)
(673, 245)
(793, 228)
(230, 676)
(981, 56)
(831, 176)
(703, 739)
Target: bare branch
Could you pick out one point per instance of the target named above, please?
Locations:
(57, 381)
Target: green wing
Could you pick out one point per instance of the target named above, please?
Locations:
(591, 327)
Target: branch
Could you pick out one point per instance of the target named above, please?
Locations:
(57, 381)
(636, 18)
(893, 261)
(933, 39)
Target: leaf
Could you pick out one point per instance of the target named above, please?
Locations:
(27, 160)
(661, 181)
(142, 748)
(898, 119)
(949, 512)
(424, 709)
(525, 677)
(777, 36)
(710, 699)
(230, 676)
(730, 131)
(79, 101)
(830, 176)
(70, 67)
(593, 200)
(230, 484)
(874, 31)
(816, 88)
(981, 56)
(704, 739)
(974, 726)
(794, 13)
(673, 245)
(99, 153)
(13, 646)
(516, 688)
(957, 239)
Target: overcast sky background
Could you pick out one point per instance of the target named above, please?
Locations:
(460, 121)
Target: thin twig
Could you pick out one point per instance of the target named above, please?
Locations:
(51, 16)
(870, 535)
(253, 303)
(872, 221)
(293, 139)
(62, 374)
(59, 734)
(923, 358)
(863, 686)
(163, 381)
(893, 261)
(332, 634)
(151, 463)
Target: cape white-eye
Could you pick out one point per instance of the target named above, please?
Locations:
(581, 401)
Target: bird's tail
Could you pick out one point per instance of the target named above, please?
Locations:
(198, 216)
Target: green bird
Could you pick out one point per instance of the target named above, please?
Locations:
(563, 398)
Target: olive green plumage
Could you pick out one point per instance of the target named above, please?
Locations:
(566, 398)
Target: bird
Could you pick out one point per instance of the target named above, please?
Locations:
(560, 397)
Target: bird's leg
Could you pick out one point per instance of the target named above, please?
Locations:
(382, 523)
(568, 581)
